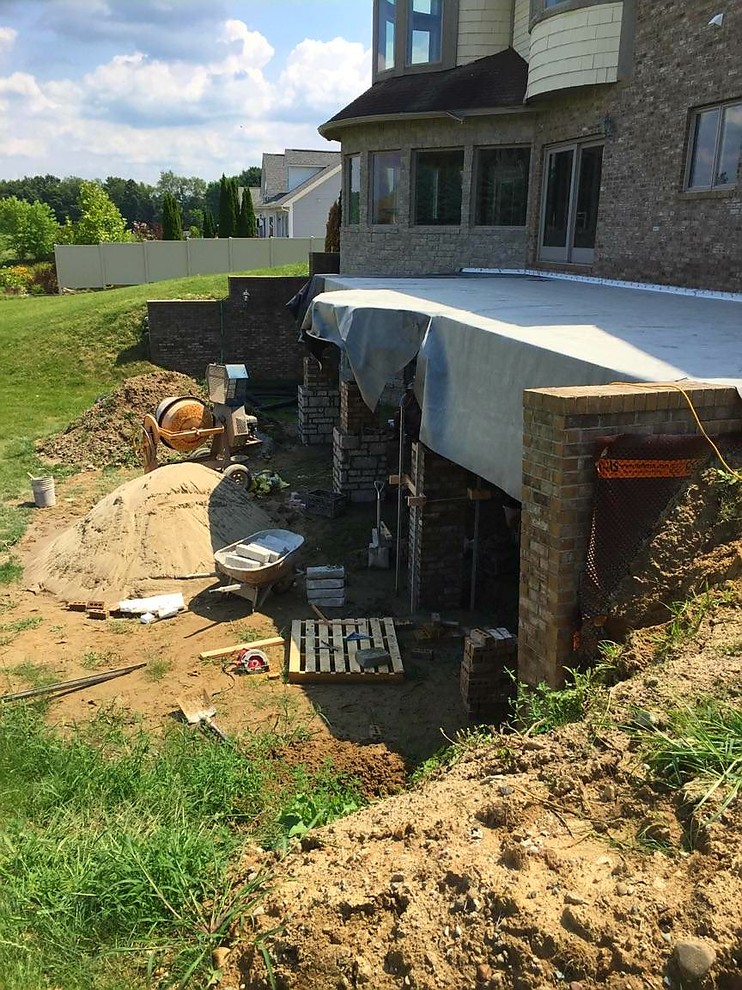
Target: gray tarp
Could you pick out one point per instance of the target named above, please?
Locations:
(481, 342)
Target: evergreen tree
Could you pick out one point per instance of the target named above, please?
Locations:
(235, 197)
(209, 225)
(172, 221)
(227, 212)
(247, 225)
(332, 231)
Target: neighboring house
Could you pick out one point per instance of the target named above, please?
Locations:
(296, 192)
(599, 137)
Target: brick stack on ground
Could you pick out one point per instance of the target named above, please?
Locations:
(486, 676)
(359, 448)
(319, 403)
(326, 586)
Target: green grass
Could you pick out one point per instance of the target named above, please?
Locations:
(118, 854)
(94, 659)
(59, 353)
(465, 741)
(700, 752)
(686, 619)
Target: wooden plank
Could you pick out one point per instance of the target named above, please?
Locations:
(310, 656)
(377, 633)
(393, 646)
(295, 648)
(351, 647)
(256, 644)
(323, 632)
(364, 645)
(338, 657)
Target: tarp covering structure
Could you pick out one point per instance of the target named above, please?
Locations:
(480, 341)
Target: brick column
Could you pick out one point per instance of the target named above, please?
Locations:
(437, 531)
(561, 428)
(359, 448)
(319, 402)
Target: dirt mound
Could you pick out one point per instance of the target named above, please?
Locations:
(107, 434)
(536, 862)
(379, 770)
(162, 524)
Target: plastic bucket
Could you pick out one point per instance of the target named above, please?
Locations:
(43, 492)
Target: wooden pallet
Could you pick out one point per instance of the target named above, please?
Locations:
(312, 662)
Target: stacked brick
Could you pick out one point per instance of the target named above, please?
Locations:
(355, 415)
(358, 460)
(319, 403)
(437, 530)
(486, 676)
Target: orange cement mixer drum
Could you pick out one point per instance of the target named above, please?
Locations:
(179, 415)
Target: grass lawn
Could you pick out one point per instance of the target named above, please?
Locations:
(59, 353)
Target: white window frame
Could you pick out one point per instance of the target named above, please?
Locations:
(695, 114)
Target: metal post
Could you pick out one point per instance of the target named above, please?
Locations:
(475, 553)
(399, 497)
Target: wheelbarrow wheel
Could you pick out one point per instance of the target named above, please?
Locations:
(239, 475)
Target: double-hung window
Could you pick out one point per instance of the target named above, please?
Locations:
(353, 189)
(501, 195)
(424, 28)
(438, 184)
(385, 174)
(715, 147)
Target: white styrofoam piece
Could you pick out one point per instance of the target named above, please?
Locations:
(138, 606)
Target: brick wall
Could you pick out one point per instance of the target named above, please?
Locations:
(254, 329)
(561, 429)
(319, 402)
(437, 530)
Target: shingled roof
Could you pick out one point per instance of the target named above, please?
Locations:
(495, 81)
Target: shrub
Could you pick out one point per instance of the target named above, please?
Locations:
(15, 280)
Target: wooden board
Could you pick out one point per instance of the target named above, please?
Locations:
(319, 652)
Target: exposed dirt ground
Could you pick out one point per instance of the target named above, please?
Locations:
(533, 863)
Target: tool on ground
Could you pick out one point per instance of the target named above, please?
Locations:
(379, 549)
(355, 637)
(227, 651)
(199, 711)
(251, 661)
(319, 613)
(63, 687)
(186, 423)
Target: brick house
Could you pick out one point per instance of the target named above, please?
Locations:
(598, 137)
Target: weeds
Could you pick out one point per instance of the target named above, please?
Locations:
(539, 710)
(10, 571)
(35, 675)
(157, 668)
(686, 619)
(700, 752)
(9, 630)
(464, 742)
(93, 660)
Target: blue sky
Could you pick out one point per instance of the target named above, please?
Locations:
(135, 87)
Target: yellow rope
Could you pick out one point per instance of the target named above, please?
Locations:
(654, 385)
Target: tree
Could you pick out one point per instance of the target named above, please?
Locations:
(172, 221)
(30, 228)
(332, 234)
(209, 225)
(247, 225)
(227, 212)
(249, 176)
(100, 220)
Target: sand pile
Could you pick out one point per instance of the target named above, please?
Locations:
(109, 432)
(165, 523)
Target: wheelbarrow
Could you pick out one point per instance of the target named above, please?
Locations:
(252, 580)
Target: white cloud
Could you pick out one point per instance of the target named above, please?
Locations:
(136, 115)
(324, 73)
(8, 37)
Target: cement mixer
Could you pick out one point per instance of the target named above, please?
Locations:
(186, 423)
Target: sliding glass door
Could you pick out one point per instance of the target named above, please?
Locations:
(570, 203)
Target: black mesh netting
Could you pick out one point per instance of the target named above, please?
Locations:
(637, 476)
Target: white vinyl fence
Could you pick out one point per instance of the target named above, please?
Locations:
(93, 266)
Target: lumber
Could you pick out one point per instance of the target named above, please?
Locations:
(256, 644)
(75, 685)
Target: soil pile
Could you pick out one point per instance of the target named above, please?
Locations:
(109, 433)
(162, 524)
(536, 862)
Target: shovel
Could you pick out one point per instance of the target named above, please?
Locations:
(198, 711)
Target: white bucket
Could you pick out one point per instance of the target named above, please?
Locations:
(43, 492)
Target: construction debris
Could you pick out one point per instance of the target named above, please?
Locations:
(65, 687)
(326, 586)
(486, 675)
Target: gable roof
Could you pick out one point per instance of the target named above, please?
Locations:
(275, 169)
(495, 81)
(328, 172)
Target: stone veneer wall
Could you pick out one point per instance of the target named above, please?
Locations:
(319, 403)
(561, 429)
(257, 330)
